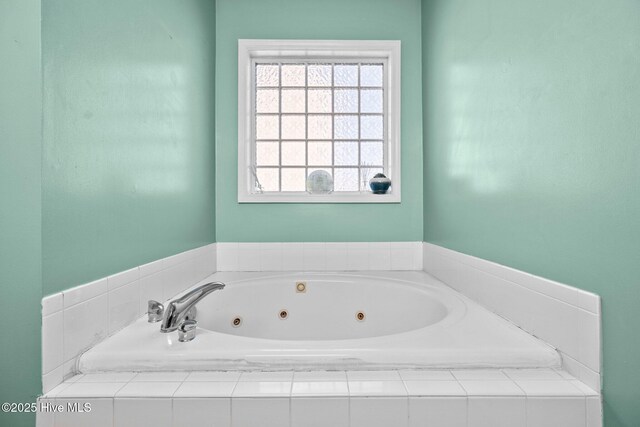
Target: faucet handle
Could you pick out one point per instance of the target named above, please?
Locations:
(155, 311)
(187, 330)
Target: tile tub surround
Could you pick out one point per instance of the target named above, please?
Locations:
(319, 256)
(78, 318)
(563, 316)
(456, 398)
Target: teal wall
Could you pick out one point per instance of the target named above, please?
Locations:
(20, 239)
(128, 159)
(312, 19)
(532, 150)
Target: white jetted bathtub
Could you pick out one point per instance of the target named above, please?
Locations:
(340, 321)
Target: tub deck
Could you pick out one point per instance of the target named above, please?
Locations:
(472, 337)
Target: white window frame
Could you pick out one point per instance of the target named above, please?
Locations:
(387, 51)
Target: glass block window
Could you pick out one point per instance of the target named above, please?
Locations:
(311, 115)
(318, 105)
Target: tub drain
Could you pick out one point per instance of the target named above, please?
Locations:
(236, 322)
(360, 316)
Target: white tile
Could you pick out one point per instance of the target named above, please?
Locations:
(292, 256)
(201, 412)
(380, 256)
(214, 376)
(249, 256)
(150, 268)
(590, 378)
(271, 257)
(434, 388)
(269, 412)
(377, 388)
(85, 292)
(151, 288)
(562, 292)
(51, 394)
(336, 256)
(552, 311)
(45, 417)
(173, 260)
(267, 376)
(438, 412)
(175, 280)
(227, 256)
(403, 256)
(426, 375)
(262, 389)
(207, 260)
(107, 377)
(496, 412)
(480, 374)
(556, 322)
(120, 279)
(555, 412)
(52, 342)
(97, 390)
(417, 255)
(205, 389)
(426, 258)
(570, 365)
(564, 374)
(320, 412)
(320, 376)
(320, 388)
(584, 389)
(70, 369)
(547, 287)
(146, 389)
(52, 303)
(594, 412)
(532, 374)
(204, 266)
(52, 379)
(85, 412)
(314, 257)
(85, 325)
(188, 255)
(379, 412)
(588, 301)
(177, 376)
(124, 306)
(589, 345)
(491, 388)
(373, 375)
(549, 388)
(357, 256)
(76, 378)
(143, 412)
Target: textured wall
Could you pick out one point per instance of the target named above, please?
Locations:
(312, 19)
(20, 239)
(532, 148)
(128, 161)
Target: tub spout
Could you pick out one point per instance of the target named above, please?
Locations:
(177, 309)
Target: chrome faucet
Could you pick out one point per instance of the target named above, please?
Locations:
(178, 309)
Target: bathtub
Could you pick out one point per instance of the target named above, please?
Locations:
(323, 321)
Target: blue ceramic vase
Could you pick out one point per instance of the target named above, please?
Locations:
(379, 183)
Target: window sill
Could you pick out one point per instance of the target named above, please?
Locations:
(303, 197)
